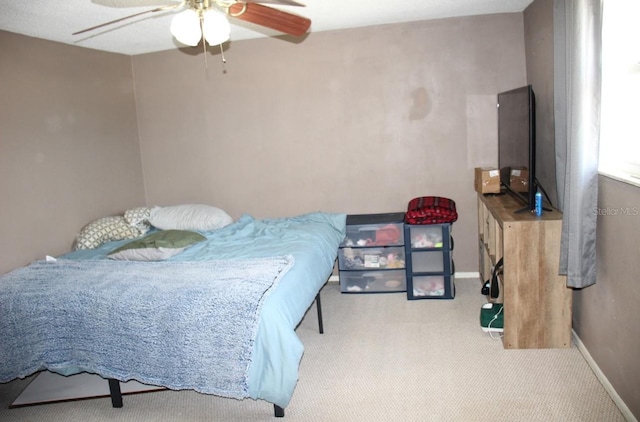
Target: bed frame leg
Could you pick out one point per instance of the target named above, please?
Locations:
(278, 412)
(116, 398)
(319, 308)
(116, 394)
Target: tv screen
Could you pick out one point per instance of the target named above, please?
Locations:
(517, 143)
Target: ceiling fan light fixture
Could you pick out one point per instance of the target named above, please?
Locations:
(216, 27)
(185, 27)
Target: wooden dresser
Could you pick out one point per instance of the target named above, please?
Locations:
(537, 303)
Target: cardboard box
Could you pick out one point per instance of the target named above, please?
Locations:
(519, 179)
(487, 180)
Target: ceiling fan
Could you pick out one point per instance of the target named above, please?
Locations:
(207, 19)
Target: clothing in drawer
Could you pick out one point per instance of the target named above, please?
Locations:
(430, 287)
(389, 234)
(363, 258)
(432, 236)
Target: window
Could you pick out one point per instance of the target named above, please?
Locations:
(620, 107)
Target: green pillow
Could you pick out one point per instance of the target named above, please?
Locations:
(157, 246)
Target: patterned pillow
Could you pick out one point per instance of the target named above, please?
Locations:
(137, 216)
(106, 229)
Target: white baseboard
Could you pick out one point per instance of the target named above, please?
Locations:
(603, 379)
(467, 275)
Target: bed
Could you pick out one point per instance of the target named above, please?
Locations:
(48, 318)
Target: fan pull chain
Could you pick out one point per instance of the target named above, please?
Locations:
(224, 61)
(204, 49)
(204, 42)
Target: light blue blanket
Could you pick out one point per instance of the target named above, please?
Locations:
(175, 324)
(312, 239)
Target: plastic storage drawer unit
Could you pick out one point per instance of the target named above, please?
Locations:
(371, 259)
(429, 261)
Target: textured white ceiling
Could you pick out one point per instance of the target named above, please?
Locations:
(57, 20)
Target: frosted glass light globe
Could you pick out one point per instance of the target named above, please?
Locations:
(216, 27)
(185, 27)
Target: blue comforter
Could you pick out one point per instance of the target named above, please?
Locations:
(154, 322)
(312, 239)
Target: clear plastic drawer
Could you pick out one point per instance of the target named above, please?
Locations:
(373, 281)
(431, 262)
(383, 234)
(431, 287)
(430, 236)
(364, 258)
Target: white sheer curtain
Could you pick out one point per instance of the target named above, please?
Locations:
(577, 80)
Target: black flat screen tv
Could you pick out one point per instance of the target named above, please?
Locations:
(517, 140)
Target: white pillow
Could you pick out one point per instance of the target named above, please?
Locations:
(189, 217)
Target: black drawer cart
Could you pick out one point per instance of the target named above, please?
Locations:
(371, 259)
(429, 261)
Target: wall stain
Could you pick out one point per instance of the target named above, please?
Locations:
(421, 106)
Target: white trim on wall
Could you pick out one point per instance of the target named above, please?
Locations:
(603, 379)
(471, 274)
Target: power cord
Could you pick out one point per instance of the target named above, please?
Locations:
(495, 317)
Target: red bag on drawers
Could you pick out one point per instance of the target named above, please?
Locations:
(388, 235)
(431, 210)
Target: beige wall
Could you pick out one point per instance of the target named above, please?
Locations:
(355, 121)
(68, 144)
(605, 316)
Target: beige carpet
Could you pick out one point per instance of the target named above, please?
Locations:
(383, 358)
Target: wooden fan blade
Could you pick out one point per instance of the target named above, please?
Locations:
(157, 9)
(282, 2)
(269, 17)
